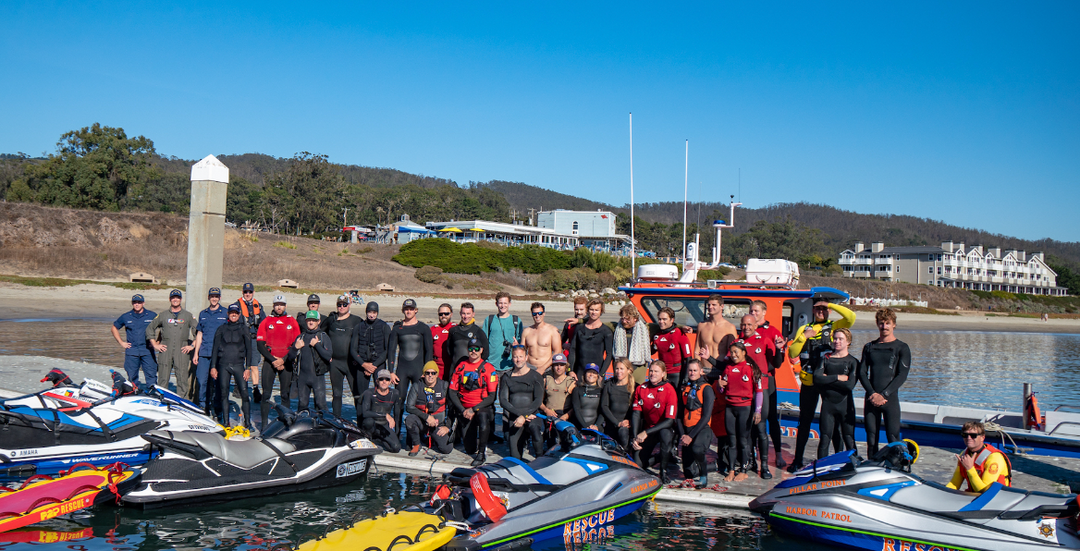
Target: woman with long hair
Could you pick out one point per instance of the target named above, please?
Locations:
(615, 401)
(742, 387)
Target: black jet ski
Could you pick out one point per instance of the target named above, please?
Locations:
(878, 504)
(296, 452)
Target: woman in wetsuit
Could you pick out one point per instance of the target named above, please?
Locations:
(882, 371)
(229, 358)
(743, 390)
(521, 391)
(653, 421)
(339, 327)
(615, 400)
(585, 399)
(834, 380)
(410, 347)
(592, 342)
(696, 397)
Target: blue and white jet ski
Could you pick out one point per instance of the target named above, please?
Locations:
(878, 504)
(52, 430)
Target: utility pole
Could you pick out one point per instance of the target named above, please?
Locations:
(345, 217)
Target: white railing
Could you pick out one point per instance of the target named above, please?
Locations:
(860, 301)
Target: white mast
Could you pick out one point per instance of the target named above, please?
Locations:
(686, 179)
(633, 243)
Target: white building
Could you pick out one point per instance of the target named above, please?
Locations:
(559, 229)
(954, 265)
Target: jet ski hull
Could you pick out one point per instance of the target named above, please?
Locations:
(871, 505)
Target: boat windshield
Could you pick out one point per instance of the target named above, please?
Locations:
(689, 311)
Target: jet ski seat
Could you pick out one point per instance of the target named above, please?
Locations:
(242, 453)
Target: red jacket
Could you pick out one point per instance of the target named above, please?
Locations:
(487, 382)
(672, 348)
(655, 403)
(439, 337)
(279, 333)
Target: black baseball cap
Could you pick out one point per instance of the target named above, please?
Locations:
(234, 308)
(313, 298)
(137, 298)
(249, 287)
(475, 343)
(372, 307)
(409, 303)
(176, 293)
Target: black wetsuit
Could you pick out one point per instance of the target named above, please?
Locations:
(457, 346)
(410, 347)
(615, 407)
(882, 370)
(811, 358)
(422, 403)
(230, 356)
(312, 363)
(693, 455)
(372, 411)
(521, 395)
(588, 346)
(342, 365)
(585, 402)
(837, 406)
(368, 345)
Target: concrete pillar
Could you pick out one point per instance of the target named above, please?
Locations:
(206, 231)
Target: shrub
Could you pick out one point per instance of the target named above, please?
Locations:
(429, 274)
(284, 245)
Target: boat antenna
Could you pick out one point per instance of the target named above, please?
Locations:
(686, 179)
(633, 243)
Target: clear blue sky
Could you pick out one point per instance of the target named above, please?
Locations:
(964, 112)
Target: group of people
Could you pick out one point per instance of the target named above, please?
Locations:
(449, 376)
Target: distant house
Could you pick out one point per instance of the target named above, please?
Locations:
(954, 265)
(407, 230)
(560, 229)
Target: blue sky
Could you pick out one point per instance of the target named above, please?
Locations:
(963, 112)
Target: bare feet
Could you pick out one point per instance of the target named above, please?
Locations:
(730, 476)
(740, 477)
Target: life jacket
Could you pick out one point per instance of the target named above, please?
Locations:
(693, 396)
(980, 464)
(257, 308)
(814, 351)
(433, 401)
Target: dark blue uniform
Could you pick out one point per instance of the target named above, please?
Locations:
(209, 322)
(140, 355)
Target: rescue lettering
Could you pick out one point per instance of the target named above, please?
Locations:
(65, 508)
(904, 545)
(578, 529)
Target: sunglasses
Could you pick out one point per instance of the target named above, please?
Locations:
(537, 314)
(971, 435)
(342, 305)
(384, 378)
(446, 313)
(475, 349)
(426, 373)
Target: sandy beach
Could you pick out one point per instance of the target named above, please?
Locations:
(107, 302)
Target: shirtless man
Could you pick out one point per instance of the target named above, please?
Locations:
(541, 340)
(715, 333)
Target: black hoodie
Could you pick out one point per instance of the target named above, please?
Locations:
(314, 359)
(232, 346)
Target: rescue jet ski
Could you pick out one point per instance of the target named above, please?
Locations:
(47, 432)
(296, 452)
(66, 395)
(574, 492)
(878, 504)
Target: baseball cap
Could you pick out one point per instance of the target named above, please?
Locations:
(431, 367)
(559, 358)
(312, 315)
(592, 367)
(234, 308)
(249, 287)
(383, 374)
(176, 293)
(344, 300)
(279, 299)
(313, 298)
(475, 343)
(137, 298)
(213, 292)
(372, 306)
(409, 303)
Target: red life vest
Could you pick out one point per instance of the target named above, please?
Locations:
(980, 464)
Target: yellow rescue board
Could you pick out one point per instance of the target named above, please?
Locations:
(401, 531)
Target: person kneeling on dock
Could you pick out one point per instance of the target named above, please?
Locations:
(376, 413)
(981, 464)
(427, 422)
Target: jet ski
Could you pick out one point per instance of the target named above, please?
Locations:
(47, 432)
(576, 492)
(66, 395)
(878, 504)
(296, 452)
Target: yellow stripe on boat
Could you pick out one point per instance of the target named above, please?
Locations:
(400, 531)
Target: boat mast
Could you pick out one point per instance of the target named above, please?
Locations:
(686, 180)
(633, 243)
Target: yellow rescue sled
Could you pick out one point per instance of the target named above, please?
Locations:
(397, 531)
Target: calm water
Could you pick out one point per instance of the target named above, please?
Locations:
(960, 368)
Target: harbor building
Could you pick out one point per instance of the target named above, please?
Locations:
(954, 265)
(557, 229)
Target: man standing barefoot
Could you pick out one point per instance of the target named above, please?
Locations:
(715, 333)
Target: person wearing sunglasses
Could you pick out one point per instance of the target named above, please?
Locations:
(409, 348)
(376, 412)
(466, 330)
(980, 464)
(440, 336)
(473, 389)
(541, 340)
(428, 424)
(339, 326)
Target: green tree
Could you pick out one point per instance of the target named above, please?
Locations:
(784, 239)
(310, 193)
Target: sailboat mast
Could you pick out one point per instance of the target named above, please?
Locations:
(633, 242)
(686, 180)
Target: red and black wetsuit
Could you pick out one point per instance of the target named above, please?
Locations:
(475, 386)
(673, 348)
(440, 336)
(655, 408)
(276, 336)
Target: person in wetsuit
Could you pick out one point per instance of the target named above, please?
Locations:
(882, 371)
(766, 356)
(812, 343)
(376, 412)
(368, 348)
(834, 380)
(229, 359)
(580, 313)
(409, 348)
(428, 421)
(473, 389)
(743, 389)
(672, 346)
(440, 337)
(314, 353)
(758, 309)
(696, 397)
(592, 342)
(457, 343)
(276, 336)
(521, 391)
(339, 327)
(980, 465)
(655, 407)
(615, 399)
(585, 399)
